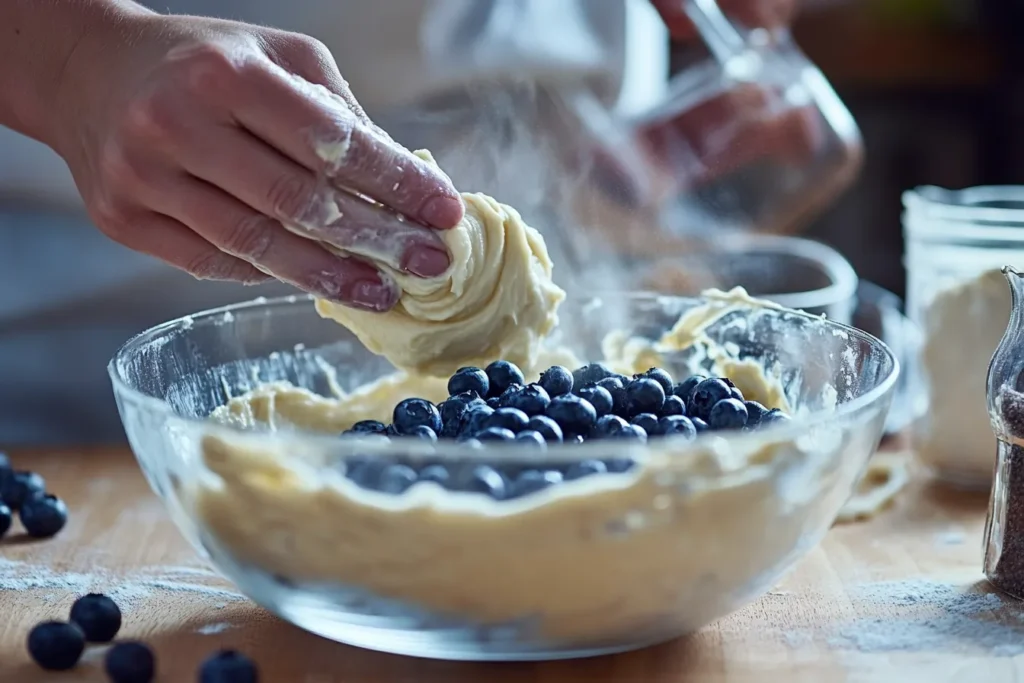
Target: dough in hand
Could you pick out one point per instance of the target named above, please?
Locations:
(496, 300)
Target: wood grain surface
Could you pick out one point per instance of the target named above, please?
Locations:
(900, 598)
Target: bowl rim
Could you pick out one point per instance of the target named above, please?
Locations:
(780, 432)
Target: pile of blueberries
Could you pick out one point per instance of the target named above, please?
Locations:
(42, 514)
(95, 618)
(494, 404)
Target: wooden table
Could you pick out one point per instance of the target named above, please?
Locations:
(899, 598)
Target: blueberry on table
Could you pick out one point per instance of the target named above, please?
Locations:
(396, 479)
(414, 412)
(501, 374)
(130, 662)
(660, 376)
(98, 617)
(644, 395)
(511, 419)
(532, 481)
(648, 422)
(576, 416)
(532, 399)
(677, 425)
(368, 427)
(546, 427)
(673, 406)
(436, 473)
(424, 432)
(43, 516)
(6, 517)
(685, 389)
(528, 437)
(598, 396)
(705, 396)
(699, 424)
(556, 380)
(584, 468)
(631, 432)
(19, 487)
(228, 666)
(590, 374)
(55, 645)
(728, 413)
(755, 413)
(495, 434)
(469, 379)
(616, 387)
(607, 425)
(453, 411)
(509, 395)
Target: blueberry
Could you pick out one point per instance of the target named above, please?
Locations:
(501, 374)
(454, 409)
(728, 414)
(424, 432)
(608, 425)
(469, 379)
(396, 479)
(474, 418)
(6, 517)
(575, 439)
(21, 486)
(228, 666)
(755, 413)
(556, 380)
(585, 468)
(532, 400)
(705, 396)
(673, 406)
(573, 414)
(495, 434)
(493, 403)
(618, 465)
(56, 646)
(532, 481)
(546, 427)
(130, 662)
(699, 424)
(98, 617)
(368, 427)
(365, 473)
(511, 419)
(43, 516)
(599, 397)
(644, 395)
(684, 389)
(677, 425)
(616, 387)
(484, 479)
(507, 396)
(531, 438)
(435, 473)
(414, 412)
(472, 442)
(774, 416)
(660, 376)
(647, 422)
(632, 432)
(590, 374)
(734, 392)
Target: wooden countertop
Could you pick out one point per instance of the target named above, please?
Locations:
(899, 598)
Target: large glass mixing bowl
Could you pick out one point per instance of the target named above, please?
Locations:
(674, 535)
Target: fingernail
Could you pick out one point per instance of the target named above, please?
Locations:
(373, 295)
(442, 212)
(427, 261)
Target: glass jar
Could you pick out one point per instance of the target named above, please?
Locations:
(956, 245)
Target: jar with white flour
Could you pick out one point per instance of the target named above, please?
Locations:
(956, 245)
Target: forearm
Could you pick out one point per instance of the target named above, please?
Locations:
(38, 40)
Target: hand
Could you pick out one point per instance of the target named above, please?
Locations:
(769, 14)
(224, 149)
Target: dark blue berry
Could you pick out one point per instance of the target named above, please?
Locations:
(6, 517)
(728, 414)
(494, 402)
(660, 376)
(469, 379)
(474, 418)
(130, 662)
(615, 387)
(228, 666)
(56, 646)
(755, 413)
(454, 409)
(673, 406)
(585, 468)
(632, 432)
(599, 397)
(774, 416)
(608, 425)
(546, 427)
(484, 479)
(435, 473)
(396, 479)
(644, 395)
(495, 434)
(618, 465)
(98, 617)
(501, 374)
(511, 419)
(414, 412)
(576, 416)
(685, 389)
(532, 481)
(699, 424)
(368, 427)
(556, 380)
(43, 516)
(705, 396)
(424, 432)
(532, 400)
(735, 393)
(590, 374)
(365, 473)
(575, 439)
(21, 486)
(531, 438)
(472, 442)
(507, 396)
(647, 422)
(677, 425)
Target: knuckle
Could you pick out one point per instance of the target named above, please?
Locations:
(291, 198)
(111, 217)
(150, 116)
(250, 238)
(206, 68)
(214, 265)
(117, 167)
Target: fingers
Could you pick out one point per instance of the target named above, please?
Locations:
(276, 186)
(328, 138)
(769, 14)
(253, 237)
